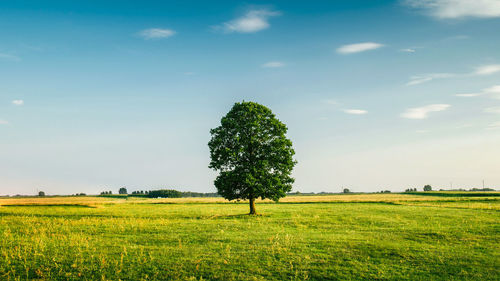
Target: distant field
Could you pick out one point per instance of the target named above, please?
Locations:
(331, 237)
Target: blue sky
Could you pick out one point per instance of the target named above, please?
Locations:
(95, 95)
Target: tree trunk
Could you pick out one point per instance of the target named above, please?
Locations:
(252, 206)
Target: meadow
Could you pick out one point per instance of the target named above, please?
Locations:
(333, 237)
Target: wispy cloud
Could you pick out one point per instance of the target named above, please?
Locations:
(419, 79)
(273, 64)
(18, 102)
(494, 110)
(457, 9)
(9, 57)
(468, 95)
(487, 69)
(479, 71)
(358, 47)
(3, 122)
(355, 111)
(493, 92)
(424, 111)
(156, 33)
(252, 21)
(408, 50)
(492, 126)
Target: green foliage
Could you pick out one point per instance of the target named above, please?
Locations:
(164, 193)
(122, 190)
(145, 193)
(346, 190)
(41, 193)
(427, 188)
(252, 154)
(481, 189)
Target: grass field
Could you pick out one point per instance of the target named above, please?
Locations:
(339, 237)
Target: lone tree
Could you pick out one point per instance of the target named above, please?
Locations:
(122, 190)
(252, 154)
(427, 188)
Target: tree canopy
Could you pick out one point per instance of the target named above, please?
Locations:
(252, 154)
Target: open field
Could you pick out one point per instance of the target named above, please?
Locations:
(338, 237)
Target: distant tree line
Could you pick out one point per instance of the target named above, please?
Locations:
(172, 193)
(427, 187)
(163, 193)
(310, 193)
(482, 189)
(141, 192)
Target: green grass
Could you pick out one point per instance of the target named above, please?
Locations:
(288, 241)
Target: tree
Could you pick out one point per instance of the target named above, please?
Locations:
(346, 190)
(165, 193)
(41, 193)
(122, 190)
(427, 188)
(252, 154)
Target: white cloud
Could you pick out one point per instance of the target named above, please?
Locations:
(423, 112)
(355, 111)
(468, 95)
(419, 79)
(18, 102)
(495, 125)
(156, 33)
(4, 56)
(494, 110)
(487, 69)
(493, 92)
(358, 47)
(252, 21)
(273, 64)
(408, 50)
(456, 9)
(480, 70)
(3, 122)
